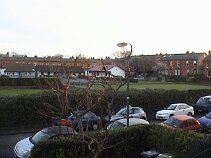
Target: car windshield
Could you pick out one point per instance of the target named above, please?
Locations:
(41, 136)
(115, 125)
(202, 101)
(171, 107)
(173, 122)
(120, 111)
(208, 115)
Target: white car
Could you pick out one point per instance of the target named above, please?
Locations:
(23, 148)
(122, 123)
(134, 112)
(175, 109)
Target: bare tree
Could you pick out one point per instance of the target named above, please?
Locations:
(63, 88)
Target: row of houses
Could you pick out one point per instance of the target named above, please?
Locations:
(32, 71)
(172, 64)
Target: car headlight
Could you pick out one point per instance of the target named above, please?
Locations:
(25, 153)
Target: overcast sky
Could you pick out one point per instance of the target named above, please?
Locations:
(94, 27)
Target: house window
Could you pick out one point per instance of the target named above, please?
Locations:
(207, 65)
(170, 63)
(187, 71)
(178, 64)
(208, 73)
(177, 72)
(194, 63)
(187, 64)
(194, 71)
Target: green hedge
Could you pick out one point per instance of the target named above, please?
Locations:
(29, 82)
(25, 110)
(129, 142)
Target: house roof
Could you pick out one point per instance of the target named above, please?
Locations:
(208, 57)
(187, 56)
(47, 68)
(18, 67)
(101, 68)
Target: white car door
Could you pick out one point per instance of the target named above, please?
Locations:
(179, 110)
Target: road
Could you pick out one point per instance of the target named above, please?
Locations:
(7, 142)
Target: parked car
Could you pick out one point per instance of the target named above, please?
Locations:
(205, 120)
(175, 109)
(134, 112)
(122, 123)
(62, 122)
(89, 119)
(203, 105)
(183, 122)
(23, 148)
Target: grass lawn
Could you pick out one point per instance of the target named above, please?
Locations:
(162, 85)
(167, 85)
(15, 92)
(140, 85)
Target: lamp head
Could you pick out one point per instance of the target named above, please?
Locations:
(121, 44)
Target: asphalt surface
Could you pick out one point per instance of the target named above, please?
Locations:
(9, 137)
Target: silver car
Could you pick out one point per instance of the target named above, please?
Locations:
(134, 112)
(122, 123)
(23, 148)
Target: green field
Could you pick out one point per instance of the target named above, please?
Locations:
(168, 85)
(15, 92)
(140, 86)
(162, 85)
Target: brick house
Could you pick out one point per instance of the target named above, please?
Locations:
(207, 65)
(183, 64)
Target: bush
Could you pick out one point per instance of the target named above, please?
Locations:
(128, 142)
(26, 110)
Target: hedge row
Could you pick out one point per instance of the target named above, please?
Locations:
(29, 110)
(29, 82)
(128, 142)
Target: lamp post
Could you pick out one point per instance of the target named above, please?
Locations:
(128, 74)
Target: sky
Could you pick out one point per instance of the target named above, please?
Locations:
(94, 27)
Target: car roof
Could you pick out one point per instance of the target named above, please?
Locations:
(133, 121)
(208, 96)
(54, 130)
(179, 104)
(182, 117)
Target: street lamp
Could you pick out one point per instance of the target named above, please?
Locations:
(128, 74)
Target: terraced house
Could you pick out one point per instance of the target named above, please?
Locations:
(183, 64)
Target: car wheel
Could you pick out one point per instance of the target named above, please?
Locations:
(95, 126)
(189, 114)
(143, 118)
(171, 115)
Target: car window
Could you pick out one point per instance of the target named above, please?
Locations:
(116, 124)
(202, 101)
(209, 102)
(87, 115)
(208, 115)
(184, 124)
(173, 122)
(182, 107)
(40, 136)
(191, 122)
(172, 107)
(136, 110)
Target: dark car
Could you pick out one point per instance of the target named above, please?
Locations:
(205, 120)
(89, 120)
(203, 105)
